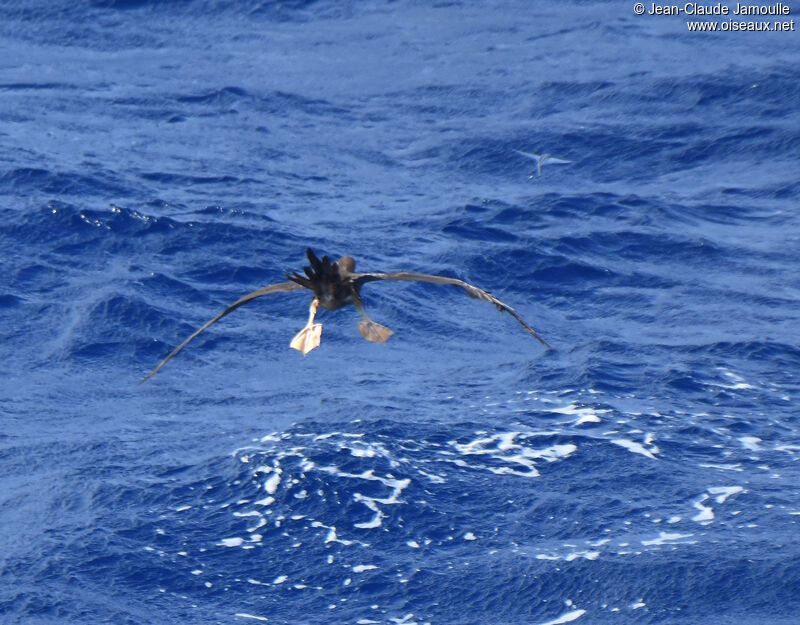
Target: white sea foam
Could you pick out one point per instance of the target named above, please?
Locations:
(377, 519)
(332, 536)
(586, 555)
(363, 452)
(374, 465)
(322, 437)
(567, 617)
(569, 557)
(435, 479)
(723, 492)
(706, 514)
(737, 382)
(667, 538)
(497, 447)
(251, 616)
(584, 414)
(271, 485)
(406, 620)
(722, 467)
(397, 486)
(637, 448)
(750, 442)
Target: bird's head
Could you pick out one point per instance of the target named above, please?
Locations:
(346, 265)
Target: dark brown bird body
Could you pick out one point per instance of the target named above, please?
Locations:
(332, 283)
(336, 285)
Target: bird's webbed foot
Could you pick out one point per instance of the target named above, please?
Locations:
(374, 332)
(309, 337)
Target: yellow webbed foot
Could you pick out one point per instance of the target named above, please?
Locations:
(374, 332)
(308, 338)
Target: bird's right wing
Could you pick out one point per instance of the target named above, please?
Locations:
(471, 289)
(281, 287)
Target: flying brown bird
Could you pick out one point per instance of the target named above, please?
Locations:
(336, 285)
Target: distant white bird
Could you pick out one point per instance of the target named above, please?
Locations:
(541, 159)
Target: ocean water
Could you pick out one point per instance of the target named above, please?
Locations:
(159, 160)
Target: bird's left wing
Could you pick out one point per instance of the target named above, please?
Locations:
(471, 289)
(530, 155)
(281, 287)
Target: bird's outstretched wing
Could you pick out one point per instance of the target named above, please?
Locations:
(281, 287)
(530, 155)
(541, 159)
(472, 291)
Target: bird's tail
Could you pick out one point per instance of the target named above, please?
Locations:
(320, 272)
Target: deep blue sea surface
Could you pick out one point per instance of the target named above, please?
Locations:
(161, 159)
